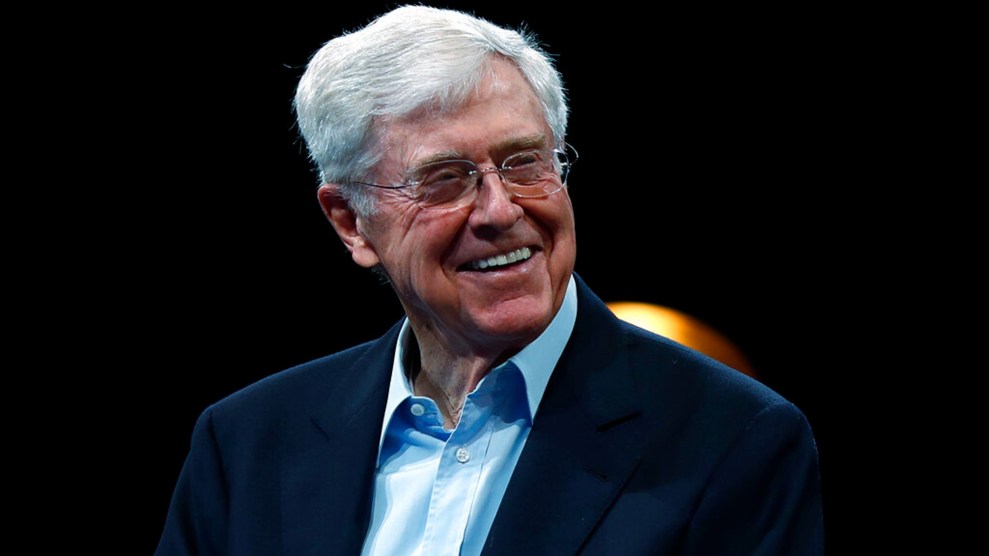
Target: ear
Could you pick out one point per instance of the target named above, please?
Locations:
(347, 225)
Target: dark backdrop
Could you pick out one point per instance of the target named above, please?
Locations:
(710, 168)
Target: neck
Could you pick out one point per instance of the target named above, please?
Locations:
(448, 384)
(447, 364)
(448, 377)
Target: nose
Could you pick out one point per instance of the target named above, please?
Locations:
(494, 207)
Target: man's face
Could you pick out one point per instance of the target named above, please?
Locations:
(428, 254)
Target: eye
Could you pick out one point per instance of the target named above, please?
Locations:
(442, 174)
(442, 182)
(527, 168)
(523, 159)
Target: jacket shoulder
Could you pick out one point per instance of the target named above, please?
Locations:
(302, 389)
(663, 368)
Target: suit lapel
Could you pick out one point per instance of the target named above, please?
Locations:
(326, 498)
(583, 446)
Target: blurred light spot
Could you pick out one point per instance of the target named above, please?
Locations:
(684, 329)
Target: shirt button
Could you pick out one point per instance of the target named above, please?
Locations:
(417, 409)
(463, 456)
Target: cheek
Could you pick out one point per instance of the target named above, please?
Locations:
(414, 242)
(556, 220)
(560, 227)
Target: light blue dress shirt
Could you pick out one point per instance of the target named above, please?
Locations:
(436, 491)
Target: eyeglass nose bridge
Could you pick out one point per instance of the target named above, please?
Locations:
(479, 175)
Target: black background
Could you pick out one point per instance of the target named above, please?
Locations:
(716, 149)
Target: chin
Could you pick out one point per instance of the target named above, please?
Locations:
(521, 320)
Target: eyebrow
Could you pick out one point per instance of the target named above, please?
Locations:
(536, 141)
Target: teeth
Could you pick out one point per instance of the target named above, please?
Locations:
(520, 254)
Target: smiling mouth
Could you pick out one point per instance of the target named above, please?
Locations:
(499, 261)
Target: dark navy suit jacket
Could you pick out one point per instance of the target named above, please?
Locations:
(639, 446)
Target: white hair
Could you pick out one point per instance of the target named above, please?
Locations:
(410, 59)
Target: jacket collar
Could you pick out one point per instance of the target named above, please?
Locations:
(326, 498)
(584, 444)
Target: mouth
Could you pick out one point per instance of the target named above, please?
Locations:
(500, 261)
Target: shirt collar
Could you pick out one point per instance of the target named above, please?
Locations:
(536, 361)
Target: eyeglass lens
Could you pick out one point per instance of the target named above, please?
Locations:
(451, 184)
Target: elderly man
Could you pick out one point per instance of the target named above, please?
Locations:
(510, 412)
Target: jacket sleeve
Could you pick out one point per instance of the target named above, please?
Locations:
(764, 497)
(197, 517)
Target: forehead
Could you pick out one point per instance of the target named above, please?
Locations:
(501, 113)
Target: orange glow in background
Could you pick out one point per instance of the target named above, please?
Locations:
(684, 329)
